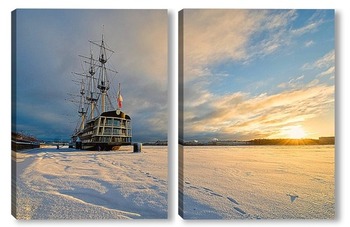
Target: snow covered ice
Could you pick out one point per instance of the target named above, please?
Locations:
(73, 184)
(257, 182)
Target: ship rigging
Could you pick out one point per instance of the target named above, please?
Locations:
(101, 126)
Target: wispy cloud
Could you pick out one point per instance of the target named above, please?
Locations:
(241, 116)
(325, 61)
(213, 36)
(309, 43)
(272, 32)
(278, 19)
(329, 71)
(305, 29)
(292, 83)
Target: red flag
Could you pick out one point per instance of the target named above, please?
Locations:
(119, 99)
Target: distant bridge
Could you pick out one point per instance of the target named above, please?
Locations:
(54, 145)
(23, 145)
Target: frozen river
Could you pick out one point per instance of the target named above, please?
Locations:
(258, 182)
(73, 184)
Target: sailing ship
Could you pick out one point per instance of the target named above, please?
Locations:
(101, 125)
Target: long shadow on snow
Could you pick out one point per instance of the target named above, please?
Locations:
(113, 199)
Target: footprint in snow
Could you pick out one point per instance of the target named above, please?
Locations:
(292, 197)
(239, 210)
(232, 200)
(216, 194)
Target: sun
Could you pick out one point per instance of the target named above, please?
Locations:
(295, 132)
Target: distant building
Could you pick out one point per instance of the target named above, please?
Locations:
(161, 143)
(232, 143)
(326, 140)
(217, 143)
(157, 143)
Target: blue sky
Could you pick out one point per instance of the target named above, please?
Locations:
(48, 43)
(258, 74)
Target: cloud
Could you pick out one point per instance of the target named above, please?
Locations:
(278, 19)
(309, 43)
(326, 63)
(292, 83)
(49, 42)
(214, 36)
(326, 60)
(305, 29)
(329, 71)
(242, 116)
(272, 32)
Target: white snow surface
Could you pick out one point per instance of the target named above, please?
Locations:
(258, 182)
(73, 184)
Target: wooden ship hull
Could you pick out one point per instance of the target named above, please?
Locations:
(108, 131)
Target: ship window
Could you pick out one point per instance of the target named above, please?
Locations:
(116, 122)
(109, 121)
(108, 131)
(115, 131)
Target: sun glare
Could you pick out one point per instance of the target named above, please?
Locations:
(295, 132)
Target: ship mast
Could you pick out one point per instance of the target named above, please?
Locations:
(103, 82)
(102, 77)
(82, 110)
(92, 97)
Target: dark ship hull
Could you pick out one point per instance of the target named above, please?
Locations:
(108, 131)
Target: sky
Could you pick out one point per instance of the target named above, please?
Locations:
(250, 74)
(47, 48)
